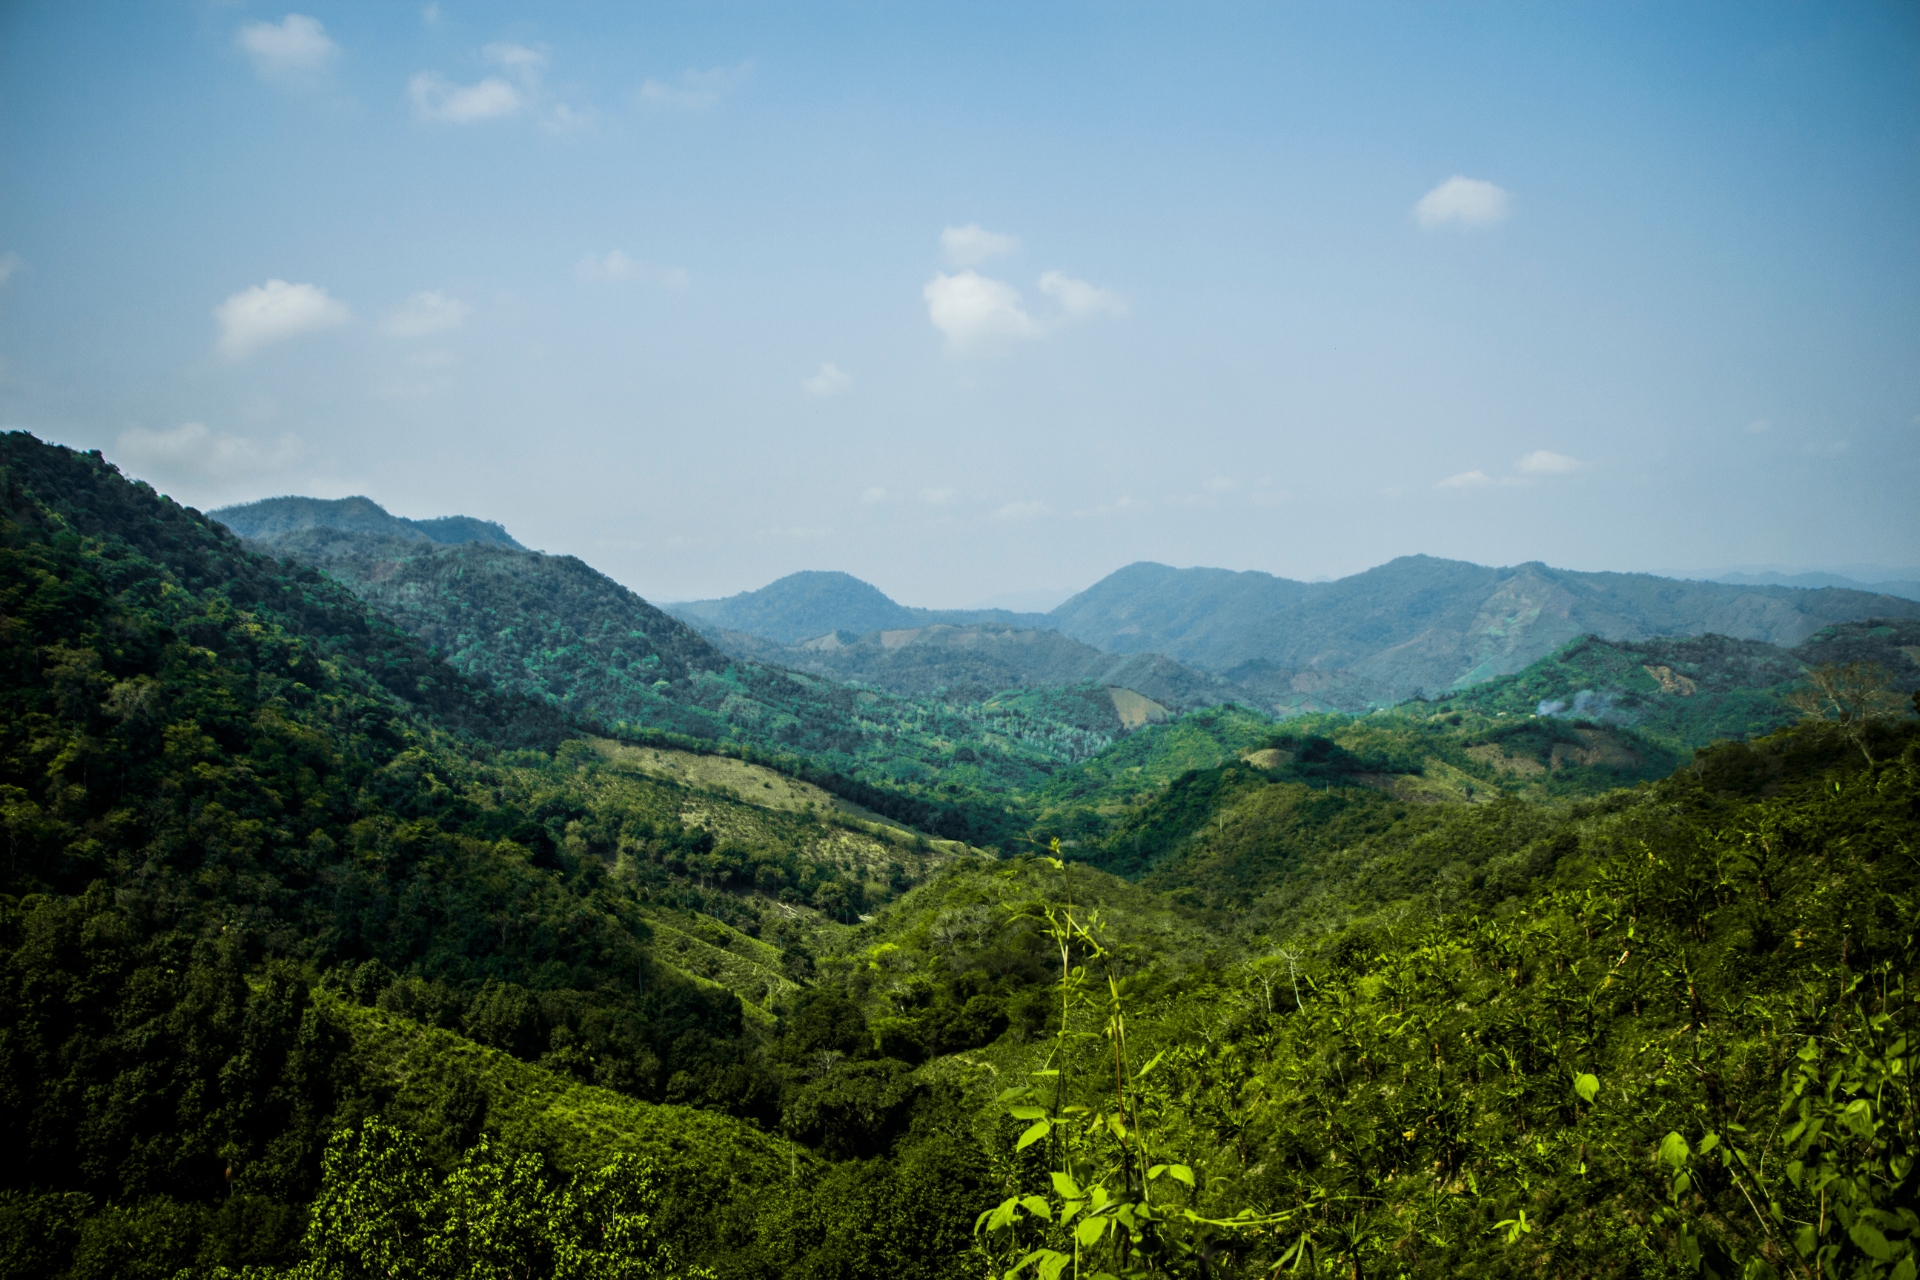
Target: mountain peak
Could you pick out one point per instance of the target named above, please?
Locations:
(803, 605)
(358, 514)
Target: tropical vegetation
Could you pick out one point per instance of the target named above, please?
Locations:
(324, 956)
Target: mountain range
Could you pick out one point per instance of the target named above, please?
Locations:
(1417, 626)
(1413, 627)
(1904, 582)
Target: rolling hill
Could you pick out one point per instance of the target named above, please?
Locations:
(980, 659)
(802, 606)
(1413, 627)
(554, 630)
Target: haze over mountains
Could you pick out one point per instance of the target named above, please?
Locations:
(1416, 626)
(1904, 583)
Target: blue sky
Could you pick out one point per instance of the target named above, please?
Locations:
(988, 299)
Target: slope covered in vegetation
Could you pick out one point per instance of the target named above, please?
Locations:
(321, 957)
(556, 630)
(1689, 692)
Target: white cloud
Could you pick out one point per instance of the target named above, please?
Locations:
(977, 313)
(522, 61)
(424, 313)
(1080, 300)
(695, 90)
(295, 48)
(831, 380)
(193, 452)
(1467, 480)
(1759, 427)
(1467, 201)
(971, 245)
(1544, 462)
(10, 263)
(273, 312)
(874, 496)
(431, 15)
(568, 121)
(436, 98)
(939, 497)
(618, 266)
(1032, 510)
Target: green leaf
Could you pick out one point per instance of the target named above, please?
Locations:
(1032, 1135)
(1065, 1187)
(1181, 1173)
(1000, 1218)
(1871, 1242)
(1586, 1085)
(1027, 1113)
(1674, 1150)
(1089, 1231)
(1037, 1206)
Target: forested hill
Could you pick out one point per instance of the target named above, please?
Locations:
(317, 958)
(802, 606)
(271, 517)
(981, 659)
(553, 628)
(1422, 625)
(1416, 626)
(60, 491)
(1690, 692)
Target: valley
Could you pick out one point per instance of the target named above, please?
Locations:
(376, 887)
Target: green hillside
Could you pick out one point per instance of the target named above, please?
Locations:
(1421, 625)
(555, 630)
(976, 661)
(1406, 1028)
(322, 957)
(1689, 692)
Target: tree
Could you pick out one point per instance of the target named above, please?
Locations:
(1849, 696)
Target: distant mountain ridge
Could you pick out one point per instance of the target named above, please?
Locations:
(1420, 625)
(1905, 587)
(271, 517)
(812, 603)
(1416, 626)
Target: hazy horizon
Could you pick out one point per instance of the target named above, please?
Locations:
(988, 302)
(1045, 599)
